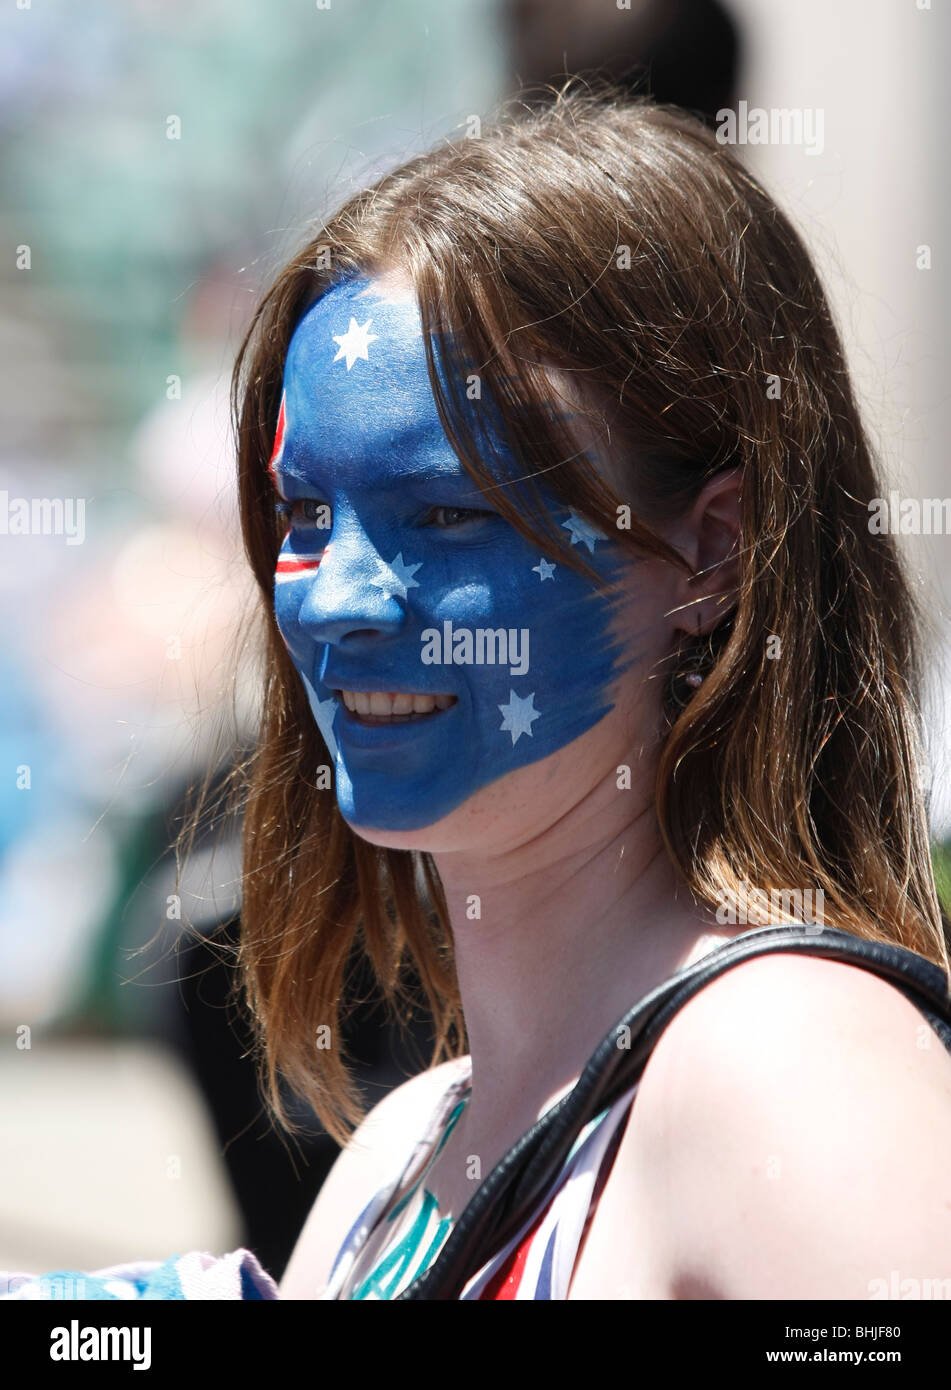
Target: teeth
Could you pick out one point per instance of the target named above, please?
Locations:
(384, 702)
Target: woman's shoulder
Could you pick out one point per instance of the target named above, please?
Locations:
(781, 1005)
(373, 1158)
(781, 1034)
(769, 1130)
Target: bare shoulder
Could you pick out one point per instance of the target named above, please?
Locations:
(801, 998)
(362, 1167)
(789, 1132)
(800, 1014)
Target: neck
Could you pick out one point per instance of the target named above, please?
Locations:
(573, 927)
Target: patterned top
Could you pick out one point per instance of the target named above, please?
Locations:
(396, 1237)
(400, 1231)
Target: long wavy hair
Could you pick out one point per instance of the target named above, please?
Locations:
(618, 240)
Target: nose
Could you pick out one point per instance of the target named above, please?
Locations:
(349, 597)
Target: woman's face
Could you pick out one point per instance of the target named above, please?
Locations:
(453, 669)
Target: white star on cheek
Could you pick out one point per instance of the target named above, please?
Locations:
(544, 569)
(520, 714)
(355, 342)
(582, 532)
(395, 578)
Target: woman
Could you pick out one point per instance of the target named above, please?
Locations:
(635, 454)
(556, 494)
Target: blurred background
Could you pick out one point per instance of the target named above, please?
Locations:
(160, 161)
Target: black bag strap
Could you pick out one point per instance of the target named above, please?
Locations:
(520, 1180)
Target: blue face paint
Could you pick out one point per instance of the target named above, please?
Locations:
(398, 575)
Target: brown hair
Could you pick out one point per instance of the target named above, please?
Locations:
(620, 241)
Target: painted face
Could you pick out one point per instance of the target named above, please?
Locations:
(398, 579)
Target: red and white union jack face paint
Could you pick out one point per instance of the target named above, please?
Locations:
(293, 562)
(277, 453)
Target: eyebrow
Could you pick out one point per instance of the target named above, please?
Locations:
(431, 438)
(456, 480)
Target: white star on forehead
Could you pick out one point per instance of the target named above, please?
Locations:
(519, 716)
(355, 342)
(395, 578)
(544, 569)
(582, 532)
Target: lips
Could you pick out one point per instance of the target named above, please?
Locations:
(393, 706)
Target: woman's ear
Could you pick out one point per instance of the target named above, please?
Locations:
(708, 536)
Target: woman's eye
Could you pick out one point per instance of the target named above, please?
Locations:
(310, 513)
(455, 516)
(307, 511)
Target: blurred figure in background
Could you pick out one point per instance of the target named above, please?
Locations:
(685, 52)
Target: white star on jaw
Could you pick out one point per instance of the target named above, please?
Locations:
(544, 569)
(520, 714)
(323, 712)
(355, 342)
(582, 532)
(395, 578)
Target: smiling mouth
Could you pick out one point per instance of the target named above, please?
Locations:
(392, 706)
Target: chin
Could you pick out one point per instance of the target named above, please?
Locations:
(462, 828)
(429, 838)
